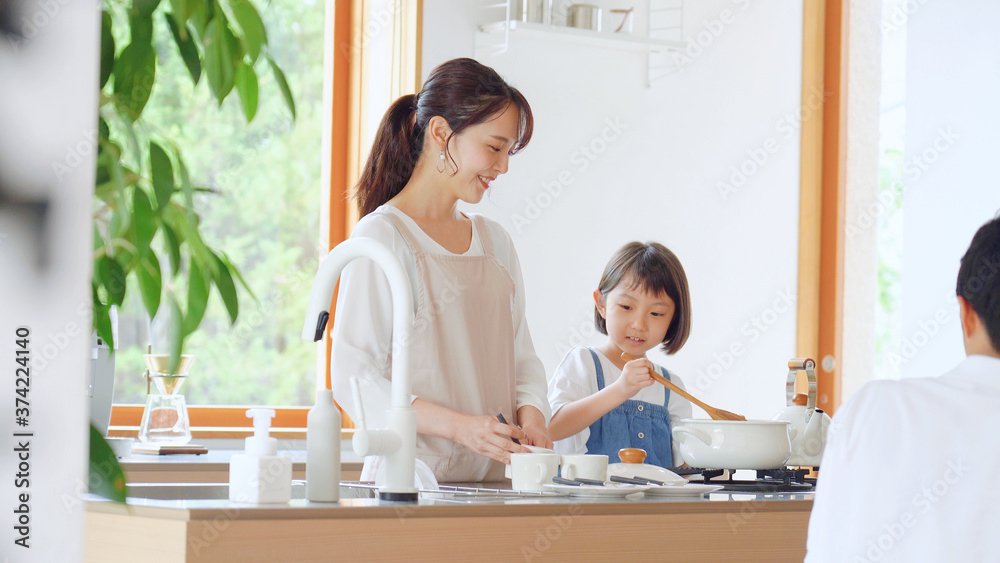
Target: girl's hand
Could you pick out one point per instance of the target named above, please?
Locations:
(635, 376)
(536, 435)
(489, 437)
(533, 423)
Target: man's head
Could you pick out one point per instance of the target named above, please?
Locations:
(978, 289)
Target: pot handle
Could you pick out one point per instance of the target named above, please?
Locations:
(684, 431)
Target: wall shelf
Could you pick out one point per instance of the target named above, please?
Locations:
(600, 39)
(660, 37)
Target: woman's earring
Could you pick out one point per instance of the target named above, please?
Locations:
(440, 163)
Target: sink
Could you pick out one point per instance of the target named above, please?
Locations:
(220, 491)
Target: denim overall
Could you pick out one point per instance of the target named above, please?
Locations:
(633, 424)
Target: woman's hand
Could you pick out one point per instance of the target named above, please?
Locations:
(489, 437)
(533, 423)
(635, 376)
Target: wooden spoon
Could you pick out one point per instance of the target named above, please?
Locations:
(716, 414)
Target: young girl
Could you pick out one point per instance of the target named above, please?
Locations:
(600, 401)
(471, 352)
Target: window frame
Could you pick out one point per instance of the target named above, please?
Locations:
(344, 102)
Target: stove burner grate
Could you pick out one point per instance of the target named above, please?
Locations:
(779, 480)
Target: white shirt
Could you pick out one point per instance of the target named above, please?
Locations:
(910, 471)
(576, 378)
(363, 322)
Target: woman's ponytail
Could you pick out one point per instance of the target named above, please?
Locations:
(462, 91)
(394, 154)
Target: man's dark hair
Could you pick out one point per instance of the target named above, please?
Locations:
(979, 278)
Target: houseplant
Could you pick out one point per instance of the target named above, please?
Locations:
(146, 225)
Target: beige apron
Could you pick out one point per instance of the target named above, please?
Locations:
(462, 350)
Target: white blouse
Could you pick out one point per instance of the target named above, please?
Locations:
(576, 378)
(362, 330)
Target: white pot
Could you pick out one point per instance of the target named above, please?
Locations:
(734, 444)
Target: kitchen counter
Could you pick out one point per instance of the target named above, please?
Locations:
(213, 467)
(719, 526)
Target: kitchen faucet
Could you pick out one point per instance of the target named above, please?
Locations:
(398, 442)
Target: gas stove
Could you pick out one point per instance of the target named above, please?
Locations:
(780, 480)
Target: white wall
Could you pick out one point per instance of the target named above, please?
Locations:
(949, 184)
(664, 151)
(48, 101)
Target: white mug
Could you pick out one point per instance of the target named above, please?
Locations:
(585, 466)
(531, 472)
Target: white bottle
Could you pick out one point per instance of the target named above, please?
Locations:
(260, 475)
(323, 449)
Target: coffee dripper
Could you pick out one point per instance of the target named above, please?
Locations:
(165, 418)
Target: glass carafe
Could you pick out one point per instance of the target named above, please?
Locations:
(165, 418)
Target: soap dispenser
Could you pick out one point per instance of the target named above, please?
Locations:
(260, 475)
(323, 449)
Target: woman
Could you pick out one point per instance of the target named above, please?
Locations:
(471, 352)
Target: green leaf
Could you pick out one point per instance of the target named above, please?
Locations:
(176, 332)
(219, 58)
(107, 48)
(182, 10)
(144, 222)
(239, 276)
(150, 283)
(202, 13)
(286, 92)
(246, 85)
(113, 279)
(186, 46)
(227, 290)
(186, 184)
(173, 249)
(135, 73)
(197, 301)
(251, 28)
(141, 29)
(106, 476)
(102, 317)
(163, 175)
(143, 8)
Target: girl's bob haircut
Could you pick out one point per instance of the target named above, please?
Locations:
(651, 267)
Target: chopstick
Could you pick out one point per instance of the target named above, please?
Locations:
(635, 480)
(504, 421)
(578, 481)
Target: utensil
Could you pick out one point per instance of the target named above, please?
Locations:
(635, 480)
(811, 424)
(714, 413)
(734, 444)
(580, 481)
(503, 420)
(584, 16)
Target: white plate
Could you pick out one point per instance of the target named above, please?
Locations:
(645, 471)
(691, 489)
(608, 490)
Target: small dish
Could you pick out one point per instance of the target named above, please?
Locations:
(607, 490)
(689, 490)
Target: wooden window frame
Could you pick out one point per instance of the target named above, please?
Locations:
(822, 196)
